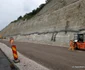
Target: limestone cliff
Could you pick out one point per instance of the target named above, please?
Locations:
(66, 16)
(56, 15)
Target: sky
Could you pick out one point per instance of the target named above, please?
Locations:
(11, 9)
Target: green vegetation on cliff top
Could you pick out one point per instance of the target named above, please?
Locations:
(28, 16)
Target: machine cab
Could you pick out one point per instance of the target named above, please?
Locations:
(79, 37)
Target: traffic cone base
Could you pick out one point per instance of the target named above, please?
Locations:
(16, 61)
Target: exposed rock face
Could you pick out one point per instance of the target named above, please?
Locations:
(57, 15)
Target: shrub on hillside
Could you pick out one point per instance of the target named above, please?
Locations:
(31, 14)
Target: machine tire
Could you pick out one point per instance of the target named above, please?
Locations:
(76, 46)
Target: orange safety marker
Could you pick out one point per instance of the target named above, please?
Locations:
(15, 55)
(11, 41)
(72, 47)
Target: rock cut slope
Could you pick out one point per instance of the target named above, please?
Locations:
(54, 16)
(57, 15)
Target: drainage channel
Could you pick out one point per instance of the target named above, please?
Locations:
(6, 63)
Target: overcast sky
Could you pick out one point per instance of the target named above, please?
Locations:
(11, 9)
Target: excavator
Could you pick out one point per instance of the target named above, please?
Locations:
(78, 42)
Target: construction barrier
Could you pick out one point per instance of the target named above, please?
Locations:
(15, 55)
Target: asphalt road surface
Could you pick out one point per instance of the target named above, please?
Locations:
(53, 57)
(5, 63)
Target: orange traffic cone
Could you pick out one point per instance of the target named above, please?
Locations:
(11, 41)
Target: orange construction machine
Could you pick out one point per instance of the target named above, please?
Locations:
(78, 42)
